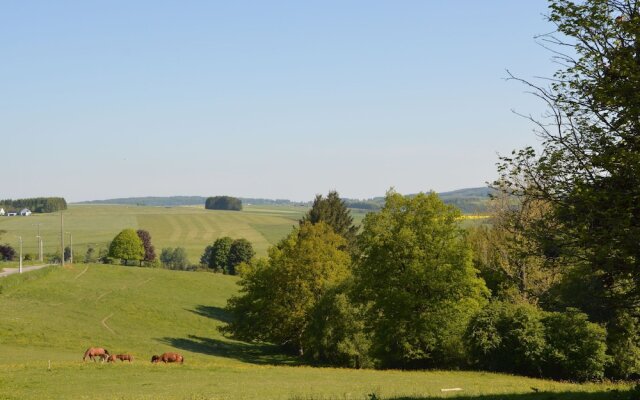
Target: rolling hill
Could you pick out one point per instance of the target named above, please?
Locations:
(469, 200)
(49, 317)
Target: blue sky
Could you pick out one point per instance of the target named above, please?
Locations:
(104, 99)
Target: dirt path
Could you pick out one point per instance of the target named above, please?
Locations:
(81, 273)
(11, 271)
(104, 323)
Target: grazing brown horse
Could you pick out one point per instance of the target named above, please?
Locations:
(121, 357)
(124, 357)
(96, 352)
(168, 358)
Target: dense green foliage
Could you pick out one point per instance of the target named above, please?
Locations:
(417, 274)
(223, 203)
(241, 251)
(337, 333)
(279, 293)
(521, 338)
(507, 337)
(218, 254)
(576, 348)
(126, 246)
(226, 254)
(333, 211)
(37, 204)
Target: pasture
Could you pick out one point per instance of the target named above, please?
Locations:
(190, 227)
(48, 318)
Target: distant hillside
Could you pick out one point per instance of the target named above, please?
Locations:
(172, 201)
(469, 200)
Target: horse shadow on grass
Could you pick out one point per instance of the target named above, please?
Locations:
(538, 395)
(246, 352)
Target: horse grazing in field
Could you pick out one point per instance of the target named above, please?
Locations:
(121, 357)
(124, 357)
(168, 358)
(96, 352)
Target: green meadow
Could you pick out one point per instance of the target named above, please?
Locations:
(48, 318)
(190, 227)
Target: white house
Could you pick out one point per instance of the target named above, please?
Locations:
(1, 211)
(25, 212)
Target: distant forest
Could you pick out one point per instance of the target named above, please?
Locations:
(37, 204)
(469, 201)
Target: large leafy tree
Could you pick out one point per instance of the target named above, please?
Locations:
(333, 211)
(416, 274)
(279, 293)
(241, 251)
(127, 246)
(589, 167)
(149, 249)
(218, 254)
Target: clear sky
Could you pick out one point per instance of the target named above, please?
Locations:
(274, 99)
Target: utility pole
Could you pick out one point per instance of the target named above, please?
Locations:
(61, 239)
(71, 245)
(20, 237)
(39, 242)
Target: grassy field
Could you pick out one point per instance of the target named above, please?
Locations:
(190, 227)
(49, 317)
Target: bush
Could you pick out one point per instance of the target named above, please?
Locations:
(508, 338)
(624, 347)
(576, 348)
(519, 338)
(7, 253)
(175, 258)
(90, 256)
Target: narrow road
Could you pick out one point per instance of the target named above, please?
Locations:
(10, 271)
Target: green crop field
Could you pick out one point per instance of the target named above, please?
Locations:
(49, 317)
(190, 227)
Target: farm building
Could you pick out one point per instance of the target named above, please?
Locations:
(25, 212)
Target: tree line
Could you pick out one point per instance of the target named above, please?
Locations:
(36, 204)
(224, 255)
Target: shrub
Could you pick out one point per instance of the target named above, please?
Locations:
(7, 253)
(624, 347)
(507, 337)
(175, 258)
(576, 348)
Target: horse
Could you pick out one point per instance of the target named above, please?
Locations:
(168, 358)
(124, 357)
(112, 358)
(96, 352)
